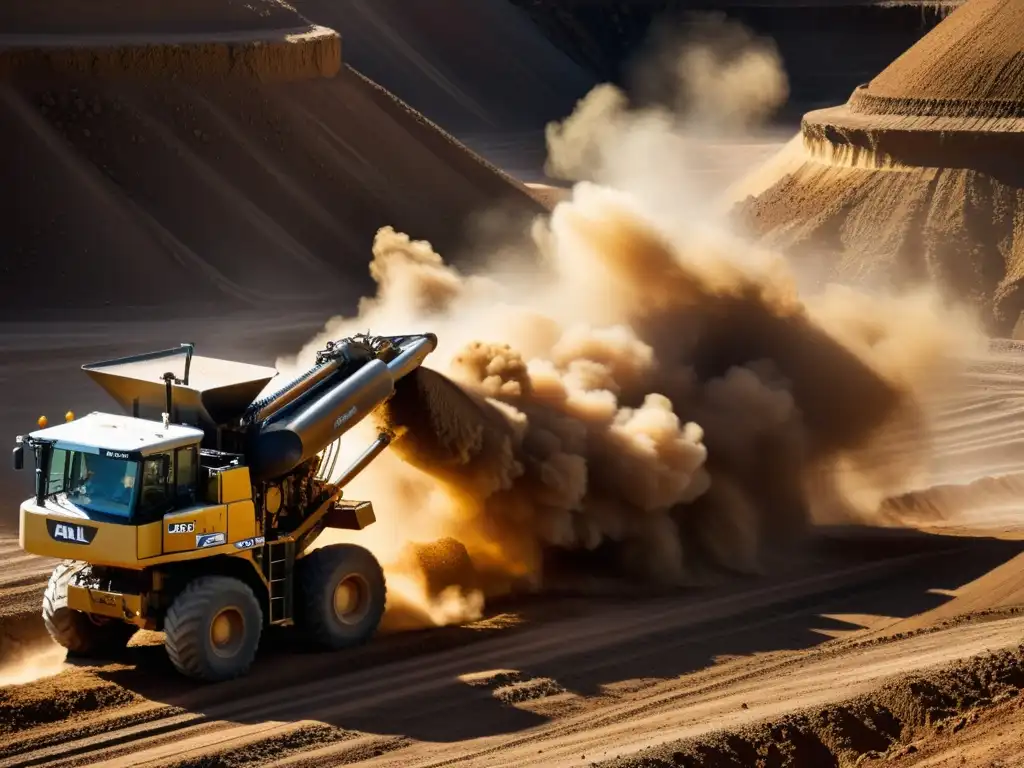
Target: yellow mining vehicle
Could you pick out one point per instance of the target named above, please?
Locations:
(195, 514)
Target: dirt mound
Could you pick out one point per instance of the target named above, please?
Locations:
(868, 197)
(872, 727)
(918, 178)
(960, 228)
(972, 64)
(444, 563)
(55, 700)
(222, 195)
(997, 592)
(21, 635)
(267, 56)
(952, 502)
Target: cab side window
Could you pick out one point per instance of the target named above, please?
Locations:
(155, 495)
(58, 471)
(186, 474)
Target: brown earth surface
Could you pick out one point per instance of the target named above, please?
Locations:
(217, 175)
(896, 643)
(892, 645)
(838, 203)
(960, 708)
(972, 59)
(917, 178)
(216, 184)
(994, 739)
(571, 681)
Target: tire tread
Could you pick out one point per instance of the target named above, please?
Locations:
(315, 575)
(183, 624)
(72, 629)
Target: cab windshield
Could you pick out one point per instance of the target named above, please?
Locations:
(94, 482)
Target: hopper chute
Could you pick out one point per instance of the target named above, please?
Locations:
(207, 392)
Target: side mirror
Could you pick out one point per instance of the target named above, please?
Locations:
(19, 458)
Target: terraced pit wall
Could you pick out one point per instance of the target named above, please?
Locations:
(888, 199)
(297, 53)
(841, 137)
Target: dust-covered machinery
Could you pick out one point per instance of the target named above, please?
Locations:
(196, 513)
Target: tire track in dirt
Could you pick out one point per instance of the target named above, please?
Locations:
(20, 569)
(22, 633)
(634, 725)
(901, 718)
(569, 669)
(762, 695)
(293, 711)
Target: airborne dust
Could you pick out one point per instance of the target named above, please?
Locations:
(656, 397)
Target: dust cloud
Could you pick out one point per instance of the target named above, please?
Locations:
(709, 80)
(647, 394)
(28, 664)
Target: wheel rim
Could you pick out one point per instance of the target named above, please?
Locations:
(227, 631)
(351, 599)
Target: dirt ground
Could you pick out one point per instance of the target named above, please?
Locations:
(898, 644)
(892, 646)
(913, 175)
(579, 681)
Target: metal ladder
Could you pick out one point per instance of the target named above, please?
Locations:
(278, 570)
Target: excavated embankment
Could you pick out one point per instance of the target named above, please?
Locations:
(875, 729)
(919, 176)
(264, 40)
(281, 55)
(217, 153)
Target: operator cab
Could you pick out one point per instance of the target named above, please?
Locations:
(117, 468)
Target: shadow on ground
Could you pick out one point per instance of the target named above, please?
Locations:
(408, 685)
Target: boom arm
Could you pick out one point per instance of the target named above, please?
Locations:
(277, 433)
(350, 379)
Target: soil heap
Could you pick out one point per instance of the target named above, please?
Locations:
(202, 157)
(919, 176)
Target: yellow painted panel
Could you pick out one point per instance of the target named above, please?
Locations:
(235, 485)
(151, 540)
(212, 495)
(241, 520)
(49, 534)
(113, 604)
(116, 545)
(195, 528)
(197, 554)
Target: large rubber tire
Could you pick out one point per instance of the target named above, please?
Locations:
(212, 629)
(342, 596)
(81, 633)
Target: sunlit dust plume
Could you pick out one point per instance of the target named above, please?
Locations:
(645, 394)
(31, 664)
